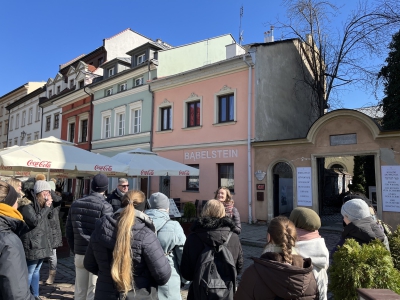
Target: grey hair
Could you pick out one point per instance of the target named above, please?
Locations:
(122, 180)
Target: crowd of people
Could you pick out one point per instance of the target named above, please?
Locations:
(128, 248)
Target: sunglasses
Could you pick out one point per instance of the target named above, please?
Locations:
(124, 185)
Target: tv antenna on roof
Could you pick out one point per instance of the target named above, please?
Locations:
(240, 26)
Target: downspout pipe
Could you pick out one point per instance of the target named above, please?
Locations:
(249, 173)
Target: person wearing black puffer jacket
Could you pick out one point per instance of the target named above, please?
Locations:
(38, 241)
(126, 255)
(82, 217)
(213, 229)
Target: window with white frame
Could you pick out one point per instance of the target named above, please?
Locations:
(11, 123)
(122, 87)
(140, 59)
(83, 131)
(48, 123)
(50, 93)
(23, 118)
(58, 89)
(166, 118)
(109, 92)
(225, 105)
(38, 113)
(226, 176)
(56, 121)
(110, 72)
(106, 124)
(120, 121)
(30, 115)
(17, 121)
(139, 81)
(192, 111)
(71, 132)
(71, 83)
(135, 117)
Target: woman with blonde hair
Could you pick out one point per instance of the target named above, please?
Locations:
(212, 229)
(17, 185)
(223, 194)
(126, 255)
(279, 273)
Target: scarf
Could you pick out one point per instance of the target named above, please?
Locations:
(9, 211)
(119, 193)
(228, 208)
(305, 235)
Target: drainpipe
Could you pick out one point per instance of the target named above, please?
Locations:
(249, 96)
(90, 125)
(151, 124)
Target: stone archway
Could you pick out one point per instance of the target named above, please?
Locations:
(282, 188)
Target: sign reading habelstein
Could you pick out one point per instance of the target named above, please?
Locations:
(391, 188)
(304, 191)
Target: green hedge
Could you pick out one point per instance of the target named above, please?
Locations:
(394, 243)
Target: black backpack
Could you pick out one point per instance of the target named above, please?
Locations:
(216, 278)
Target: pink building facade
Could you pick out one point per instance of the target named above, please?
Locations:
(201, 120)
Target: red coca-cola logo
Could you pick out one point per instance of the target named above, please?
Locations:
(106, 168)
(23, 173)
(5, 168)
(147, 172)
(39, 164)
(184, 173)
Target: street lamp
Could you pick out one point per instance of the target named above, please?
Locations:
(23, 134)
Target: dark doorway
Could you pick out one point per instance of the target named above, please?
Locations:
(283, 189)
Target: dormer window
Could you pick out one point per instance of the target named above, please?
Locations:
(81, 84)
(71, 83)
(122, 87)
(58, 89)
(110, 72)
(139, 81)
(50, 93)
(109, 92)
(140, 59)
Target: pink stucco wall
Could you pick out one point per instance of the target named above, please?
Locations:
(207, 139)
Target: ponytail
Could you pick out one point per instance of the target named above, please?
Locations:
(122, 257)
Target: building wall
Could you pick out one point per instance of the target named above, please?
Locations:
(119, 44)
(51, 110)
(191, 56)
(303, 153)
(209, 144)
(283, 108)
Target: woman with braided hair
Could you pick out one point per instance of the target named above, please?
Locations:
(279, 273)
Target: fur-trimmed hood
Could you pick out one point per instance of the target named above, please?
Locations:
(213, 231)
(24, 201)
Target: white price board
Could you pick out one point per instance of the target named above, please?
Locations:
(304, 191)
(173, 210)
(391, 188)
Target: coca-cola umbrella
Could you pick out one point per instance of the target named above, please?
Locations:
(53, 153)
(146, 163)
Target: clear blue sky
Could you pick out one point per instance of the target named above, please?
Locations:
(38, 36)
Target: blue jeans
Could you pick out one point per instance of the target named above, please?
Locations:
(34, 275)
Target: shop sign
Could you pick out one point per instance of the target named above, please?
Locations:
(211, 154)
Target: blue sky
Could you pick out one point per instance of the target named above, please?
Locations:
(38, 36)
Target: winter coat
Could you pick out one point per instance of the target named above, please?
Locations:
(82, 217)
(213, 232)
(38, 241)
(363, 231)
(236, 220)
(269, 278)
(13, 269)
(319, 254)
(54, 220)
(115, 200)
(172, 238)
(151, 267)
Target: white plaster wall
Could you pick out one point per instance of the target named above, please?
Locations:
(123, 42)
(51, 110)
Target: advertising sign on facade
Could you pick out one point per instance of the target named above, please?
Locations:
(391, 188)
(304, 191)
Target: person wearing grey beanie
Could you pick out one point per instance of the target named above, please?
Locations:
(360, 225)
(172, 239)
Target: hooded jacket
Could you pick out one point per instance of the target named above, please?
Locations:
(213, 232)
(13, 269)
(115, 199)
(38, 241)
(82, 217)
(151, 267)
(172, 238)
(270, 278)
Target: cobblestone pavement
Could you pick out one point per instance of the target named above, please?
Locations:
(63, 287)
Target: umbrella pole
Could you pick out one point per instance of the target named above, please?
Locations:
(48, 174)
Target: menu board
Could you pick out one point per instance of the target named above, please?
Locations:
(173, 210)
(304, 191)
(391, 188)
